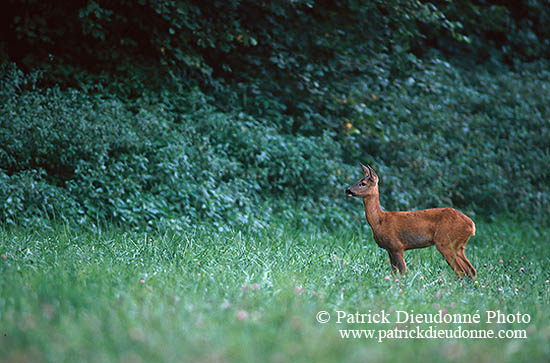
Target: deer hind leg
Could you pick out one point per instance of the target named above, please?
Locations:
(397, 262)
(451, 246)
(470, 270)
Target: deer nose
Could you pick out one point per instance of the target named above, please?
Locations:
(348, 192)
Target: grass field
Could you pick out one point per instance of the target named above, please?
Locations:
(249, 296)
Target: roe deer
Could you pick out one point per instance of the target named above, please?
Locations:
(397, 232)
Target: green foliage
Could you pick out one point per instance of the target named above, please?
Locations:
(436, 138)
(168, 157)
(509, 31)
(208, 39)
(446, 136)
(233, 111)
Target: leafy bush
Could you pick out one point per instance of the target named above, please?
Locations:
(436, 139)
(447, 136)
(95, 158)
(241, 111)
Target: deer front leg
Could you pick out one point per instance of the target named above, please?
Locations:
(397, 262)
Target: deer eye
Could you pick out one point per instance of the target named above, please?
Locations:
(362, 184)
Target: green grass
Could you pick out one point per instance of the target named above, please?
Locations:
(253, 296)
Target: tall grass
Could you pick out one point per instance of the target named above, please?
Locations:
(204, 295)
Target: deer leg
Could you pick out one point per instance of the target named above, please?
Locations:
(397, 262)
(470, 270)
(454, 255)
(450, 239)
(393, 263)
(452, 259)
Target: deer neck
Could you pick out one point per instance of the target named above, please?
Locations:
(373, 212)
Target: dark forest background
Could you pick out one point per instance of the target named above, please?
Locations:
(165, 112)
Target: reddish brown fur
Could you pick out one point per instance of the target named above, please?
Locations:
(399, 231)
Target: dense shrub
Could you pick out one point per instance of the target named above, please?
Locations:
(438, 138)
(241, 111)
(95, 158)
(455, 137)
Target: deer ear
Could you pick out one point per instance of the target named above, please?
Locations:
(366, 170)
(373, 175)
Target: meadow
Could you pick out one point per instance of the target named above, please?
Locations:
(248, 296)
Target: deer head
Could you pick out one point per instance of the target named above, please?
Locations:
(366, 186)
